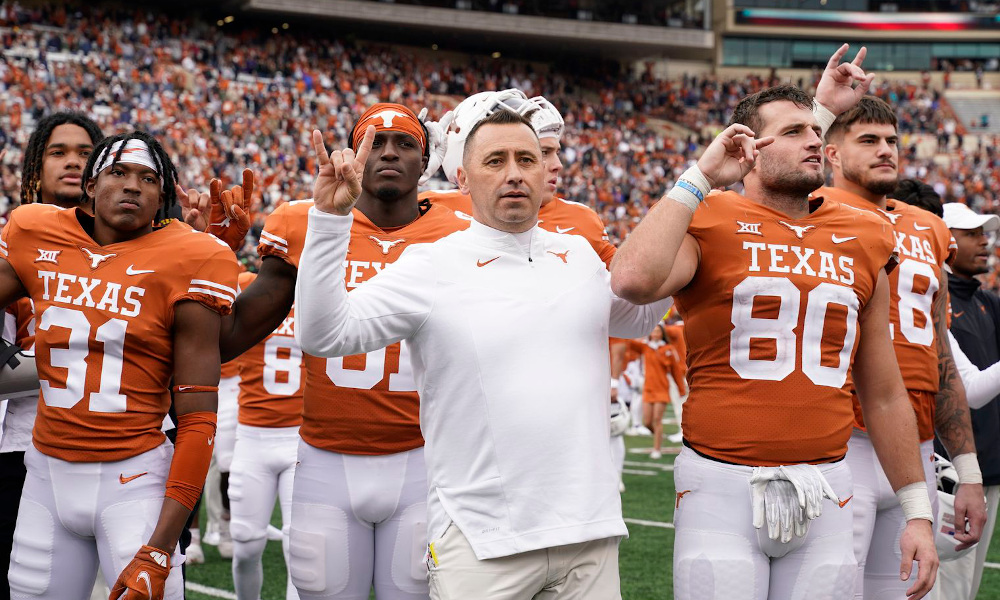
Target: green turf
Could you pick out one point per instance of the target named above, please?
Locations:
(645, 561)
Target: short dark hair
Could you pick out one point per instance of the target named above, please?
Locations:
(165, 168)
(34, 153)
(500, 116)
(919, 194)
(747, 112)
(868, 110)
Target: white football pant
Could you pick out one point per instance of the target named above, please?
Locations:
(719, 555)
(263, 468)
(878, 520)
(225, 430)
(359, 521)
(74, 516)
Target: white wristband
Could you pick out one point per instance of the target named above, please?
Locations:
(916, 505)
(967, 466)
(614, 383)
(691, 188)
(824, 117)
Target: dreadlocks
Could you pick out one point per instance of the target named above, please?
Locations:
(34, 154)
(165, 169)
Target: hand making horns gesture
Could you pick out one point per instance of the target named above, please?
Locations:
(338, 182)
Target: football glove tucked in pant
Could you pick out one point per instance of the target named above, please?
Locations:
(788, 497)
(145, 577)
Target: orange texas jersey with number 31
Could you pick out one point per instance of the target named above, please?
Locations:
(271, 376)
(771, 321)
(104, 342)
(923, 244)
(366, 403)
(559, 216)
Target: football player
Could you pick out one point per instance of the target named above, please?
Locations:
(359, 499)
(267, 438)
(556, 214)
(785, 301)
(862, 147)
(120, 315)
(51, 173)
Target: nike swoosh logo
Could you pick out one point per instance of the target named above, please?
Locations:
(841, 240)
(843, 503)
(958, 314)
(564, 229)
(480, 263)
(123, 480)
(919, 228)
(131, 270)
(144, 577)
(210, 440)
(184, 388)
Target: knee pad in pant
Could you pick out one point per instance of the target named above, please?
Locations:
(316, 564)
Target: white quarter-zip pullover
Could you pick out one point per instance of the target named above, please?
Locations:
(509, 346)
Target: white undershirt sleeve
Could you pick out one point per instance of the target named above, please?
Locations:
(387, 308)
(981, 386)
(635, 320)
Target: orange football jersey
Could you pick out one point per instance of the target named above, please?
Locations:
(366, 403)
(659, 362)
(24, 315)
(771, 323)
(271, 376)
(675, 335)
(923, 244)
(104, 330)
(560, 216)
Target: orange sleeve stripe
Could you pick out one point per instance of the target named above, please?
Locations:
(194, 389)
(192, 455)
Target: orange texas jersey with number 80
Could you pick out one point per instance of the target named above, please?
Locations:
(366, 403)
(271, 376)
(771, 322)
(924, 244)
(559, 216)
(104, 326)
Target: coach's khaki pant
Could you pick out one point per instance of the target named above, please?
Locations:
(585, 571)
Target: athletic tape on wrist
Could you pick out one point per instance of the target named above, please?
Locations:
(824, 117)
(691, 188)
(967, 466)
(915, 503)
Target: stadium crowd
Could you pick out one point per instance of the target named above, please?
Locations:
(225, 98)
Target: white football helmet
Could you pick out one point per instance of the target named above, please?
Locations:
(546, 119)
(621, 419)
(470, 111)
(944, 534)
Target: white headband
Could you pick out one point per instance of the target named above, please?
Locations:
(136, 152)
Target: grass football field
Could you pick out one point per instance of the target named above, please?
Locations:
(645, 558)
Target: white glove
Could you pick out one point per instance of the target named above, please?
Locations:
(437, 142)
(787, 498)
(811, 487)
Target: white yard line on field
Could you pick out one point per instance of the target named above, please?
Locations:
(650, 523)
(649, 465)
(209, 591)
(640, 472)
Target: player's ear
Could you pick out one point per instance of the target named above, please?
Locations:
(423, 162)
(832, 154)
(91, 187)
(463, 181)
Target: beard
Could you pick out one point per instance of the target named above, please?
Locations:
(70, 197)
(864, 178)
(790, 182)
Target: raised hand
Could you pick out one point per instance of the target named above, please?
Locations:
(338, 182)
(437, 142)
(836, 90)
(731, 155)
(231, 211)
(194, 207)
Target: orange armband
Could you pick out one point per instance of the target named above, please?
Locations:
(192, 454)
(194, 389)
